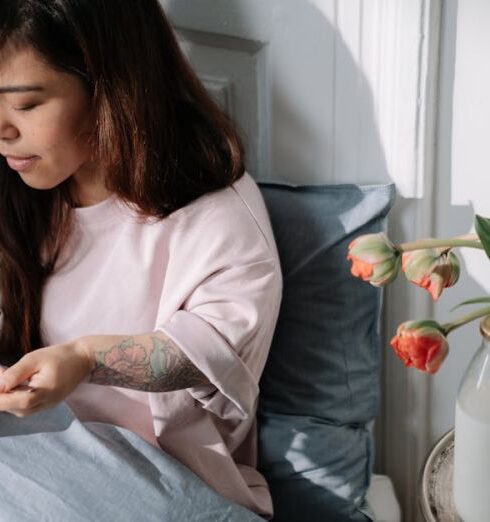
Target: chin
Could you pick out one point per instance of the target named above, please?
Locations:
(39, 184)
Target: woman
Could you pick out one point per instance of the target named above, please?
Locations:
(139, 277)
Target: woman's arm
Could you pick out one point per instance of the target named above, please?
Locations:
(149, 362)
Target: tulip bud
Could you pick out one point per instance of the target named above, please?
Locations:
(374, 259)
(421, 344)
(433, 269)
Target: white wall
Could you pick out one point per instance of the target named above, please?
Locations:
(463, 182)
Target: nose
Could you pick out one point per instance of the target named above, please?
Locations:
(8, 131)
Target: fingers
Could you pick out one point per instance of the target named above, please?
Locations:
(21, 402)
(16, 374)
(31, 411)
(26, 402)
(22, 387)
(35, 408)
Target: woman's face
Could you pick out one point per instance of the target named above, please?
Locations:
(44, 115)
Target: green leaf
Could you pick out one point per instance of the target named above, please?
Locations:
(158, 358)
(482, 227)
(477, 300)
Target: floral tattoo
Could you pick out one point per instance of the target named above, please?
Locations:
(155, 366)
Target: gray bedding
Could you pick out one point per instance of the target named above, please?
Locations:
(56, 468)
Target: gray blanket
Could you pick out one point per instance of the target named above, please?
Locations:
(56, 468)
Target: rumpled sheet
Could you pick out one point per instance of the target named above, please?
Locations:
(55, 468)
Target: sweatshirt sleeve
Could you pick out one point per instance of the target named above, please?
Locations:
(231, 284)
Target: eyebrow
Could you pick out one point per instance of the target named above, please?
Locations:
(21, 88)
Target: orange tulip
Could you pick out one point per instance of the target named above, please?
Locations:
(433, 269)
(374, 259)
(421, 344)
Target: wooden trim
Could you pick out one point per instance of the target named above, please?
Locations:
(400, 42)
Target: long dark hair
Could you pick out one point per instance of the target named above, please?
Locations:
(161, 138)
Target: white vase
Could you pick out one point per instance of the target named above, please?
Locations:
(471, 482)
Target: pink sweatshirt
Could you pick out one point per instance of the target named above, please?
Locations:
(209, 277)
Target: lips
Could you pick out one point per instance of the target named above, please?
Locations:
(20, 163)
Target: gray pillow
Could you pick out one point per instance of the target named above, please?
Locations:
(320, 385)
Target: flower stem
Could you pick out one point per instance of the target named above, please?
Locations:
(449, 327)
(469, 240)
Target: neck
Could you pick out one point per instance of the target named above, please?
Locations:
(88, 188)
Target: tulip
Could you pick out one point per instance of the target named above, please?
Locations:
(433, 269)
(374, 259)
(421, 344)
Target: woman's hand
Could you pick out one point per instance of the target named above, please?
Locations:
(52, 373)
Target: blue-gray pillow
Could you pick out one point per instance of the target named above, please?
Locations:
(316, 471)
(320, 385)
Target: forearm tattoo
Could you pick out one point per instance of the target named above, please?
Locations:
(149, 363)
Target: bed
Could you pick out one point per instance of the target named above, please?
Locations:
(316, 411)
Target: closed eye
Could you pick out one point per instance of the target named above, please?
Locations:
(26, 108)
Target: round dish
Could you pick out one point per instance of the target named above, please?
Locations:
(436, 482)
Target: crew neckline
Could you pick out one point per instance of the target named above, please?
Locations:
(99, 213)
